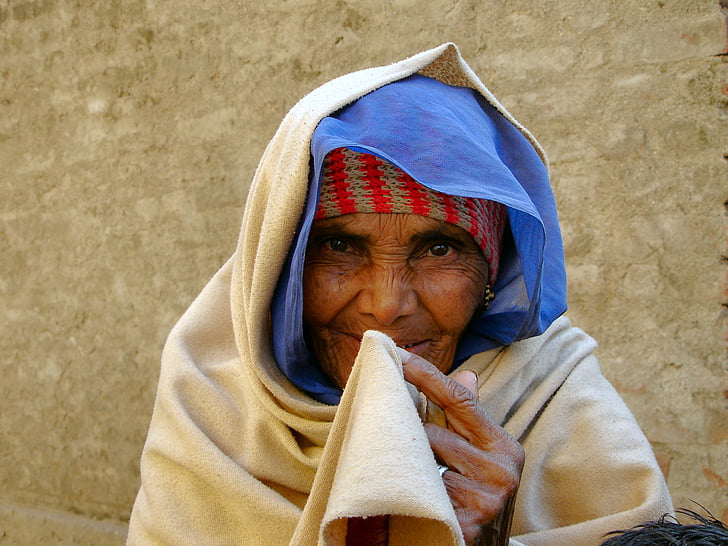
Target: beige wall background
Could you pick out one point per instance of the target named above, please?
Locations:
(129, 132)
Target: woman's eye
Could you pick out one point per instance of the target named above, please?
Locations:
(337, 245)
(440, 249)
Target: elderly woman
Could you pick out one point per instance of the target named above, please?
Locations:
(385, 345)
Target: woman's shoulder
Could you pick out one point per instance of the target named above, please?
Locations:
(560, 338)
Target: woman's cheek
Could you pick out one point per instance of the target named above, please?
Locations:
(325, 292)
(452, 298)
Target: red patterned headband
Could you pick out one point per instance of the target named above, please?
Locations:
(358, 182)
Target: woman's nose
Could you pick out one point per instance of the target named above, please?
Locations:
(387, 295)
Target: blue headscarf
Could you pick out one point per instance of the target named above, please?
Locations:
(452, 140)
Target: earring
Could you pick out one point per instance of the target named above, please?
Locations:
(488, 296)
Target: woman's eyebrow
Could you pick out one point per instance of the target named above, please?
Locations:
(439, 233)
(338, 230)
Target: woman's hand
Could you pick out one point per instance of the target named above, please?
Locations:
(484, 461)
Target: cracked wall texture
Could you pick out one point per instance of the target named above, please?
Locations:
(129, 132)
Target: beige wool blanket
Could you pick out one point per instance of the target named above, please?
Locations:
(237, 455)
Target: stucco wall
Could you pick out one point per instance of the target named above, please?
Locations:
(129, 132)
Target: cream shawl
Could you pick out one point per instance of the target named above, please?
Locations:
(237, 455)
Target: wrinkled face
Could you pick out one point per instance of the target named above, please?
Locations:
(414, 278)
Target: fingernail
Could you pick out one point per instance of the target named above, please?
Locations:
(404, 355)
(472, 372)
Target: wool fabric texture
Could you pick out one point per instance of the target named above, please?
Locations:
(357, 182)
(236, 453)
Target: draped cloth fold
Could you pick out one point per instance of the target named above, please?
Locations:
(378, 461)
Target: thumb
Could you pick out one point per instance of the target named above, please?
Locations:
(468, 379)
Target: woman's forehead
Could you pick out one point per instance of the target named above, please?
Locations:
(373, 227)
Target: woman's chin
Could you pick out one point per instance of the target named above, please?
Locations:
(336, 354)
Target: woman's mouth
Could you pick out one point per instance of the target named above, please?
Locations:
(414, 345)
(408, 345)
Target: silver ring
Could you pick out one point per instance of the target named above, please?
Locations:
(441, 468)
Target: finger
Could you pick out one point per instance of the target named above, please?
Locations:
(472, 501)
(477, 509)
(480, 498)
(462, 409)
(431, 381)
(501, 469)
(468, 379)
